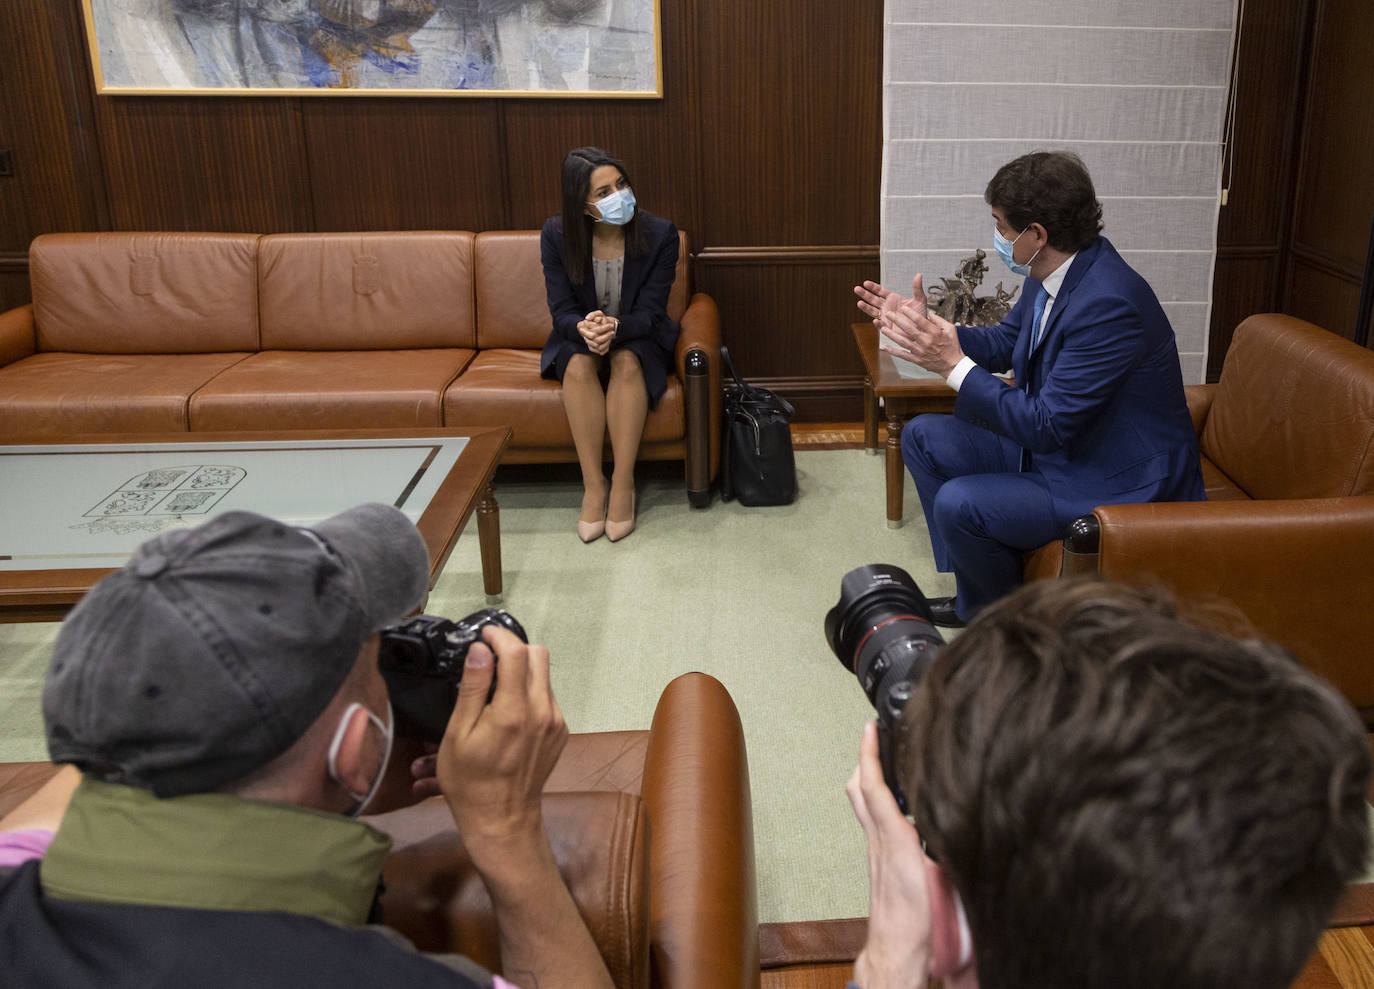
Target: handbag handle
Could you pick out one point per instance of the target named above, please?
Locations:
(754, 393)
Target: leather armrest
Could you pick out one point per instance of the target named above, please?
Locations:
(703, 892)
(600, 841)
(1299, 570)
(701, 331)
(17, 336)
(1199, 398)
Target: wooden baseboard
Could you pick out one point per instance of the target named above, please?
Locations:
(827, 435)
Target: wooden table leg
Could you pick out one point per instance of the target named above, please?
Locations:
(896, 470)
(489, 540)
(870, 417)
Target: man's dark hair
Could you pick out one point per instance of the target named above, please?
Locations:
(1124, 798)
(577, 225)
(1053, 189)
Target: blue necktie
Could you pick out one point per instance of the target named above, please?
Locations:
(1041, 298)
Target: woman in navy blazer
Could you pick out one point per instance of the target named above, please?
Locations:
(608, 267)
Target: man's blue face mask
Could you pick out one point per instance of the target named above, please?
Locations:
(1004, 251)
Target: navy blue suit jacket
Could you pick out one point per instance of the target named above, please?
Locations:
(645, 285)
(1100, 404)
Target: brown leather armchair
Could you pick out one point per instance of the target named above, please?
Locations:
(652, 831)
(1286, 535)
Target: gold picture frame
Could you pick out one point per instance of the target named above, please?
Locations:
(514, 48)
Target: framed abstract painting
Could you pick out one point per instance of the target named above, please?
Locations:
(567, 48)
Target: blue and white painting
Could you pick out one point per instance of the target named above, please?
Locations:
(482, 47)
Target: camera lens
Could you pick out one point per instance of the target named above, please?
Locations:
(881, 631)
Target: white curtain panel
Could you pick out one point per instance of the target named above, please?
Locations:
(1137, 90)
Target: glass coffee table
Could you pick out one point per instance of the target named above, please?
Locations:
(75, 510)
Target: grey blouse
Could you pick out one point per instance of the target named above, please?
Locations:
(608, 273)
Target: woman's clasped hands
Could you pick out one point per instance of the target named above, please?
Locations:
(598, 330)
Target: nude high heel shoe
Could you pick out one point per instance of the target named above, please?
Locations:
(591, 531)
(616, 531)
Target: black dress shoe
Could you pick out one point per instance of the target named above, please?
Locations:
(942, 613)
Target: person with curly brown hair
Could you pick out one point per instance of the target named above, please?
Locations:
(1108, 794)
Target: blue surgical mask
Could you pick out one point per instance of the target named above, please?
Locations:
(617, 208)
(1004, 251)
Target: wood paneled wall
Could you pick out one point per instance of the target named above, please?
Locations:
(1334, 194)
(766, 148)
(1252, 231)
(1294, 235)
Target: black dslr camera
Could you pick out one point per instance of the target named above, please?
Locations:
(422, 659)
(882, 632)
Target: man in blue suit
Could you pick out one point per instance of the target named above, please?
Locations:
(1097, 413)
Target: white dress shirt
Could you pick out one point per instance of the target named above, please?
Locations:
(1051, 285)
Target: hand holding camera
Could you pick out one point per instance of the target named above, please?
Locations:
(495, 757)
(422, 661)
(898, 948)
(498, 737)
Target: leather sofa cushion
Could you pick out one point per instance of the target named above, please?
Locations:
(601, 844)
(503, 388)
(367, 291)
(145, 293)
(1293, 414)
(61, 394)
(286, 389)
(512, 304)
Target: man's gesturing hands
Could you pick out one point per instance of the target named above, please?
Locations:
(909, 330)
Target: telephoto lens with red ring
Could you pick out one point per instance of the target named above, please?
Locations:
(881, 631)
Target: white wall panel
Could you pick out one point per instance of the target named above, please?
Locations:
(1065, 55)
(1137, 90)
(1046, 113)
(1173, 13)
(949, 168)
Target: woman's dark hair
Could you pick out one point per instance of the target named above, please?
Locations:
(1051, 188)
(577, 225)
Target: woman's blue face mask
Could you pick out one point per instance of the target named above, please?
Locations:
(616, 208)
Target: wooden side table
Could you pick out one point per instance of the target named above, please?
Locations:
(902, 398)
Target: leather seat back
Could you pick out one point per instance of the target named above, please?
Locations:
(1293, 413)
(367, 291)
(145, 293)
(600, 841)
(512, 305)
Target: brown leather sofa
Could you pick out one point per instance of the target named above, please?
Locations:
(1286, 535)
(652, 830)
(165, 332)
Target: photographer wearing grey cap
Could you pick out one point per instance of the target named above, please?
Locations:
(221, 696)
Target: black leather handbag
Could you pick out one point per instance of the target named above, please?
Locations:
(757, 465)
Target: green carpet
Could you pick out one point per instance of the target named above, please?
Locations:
(739, 593)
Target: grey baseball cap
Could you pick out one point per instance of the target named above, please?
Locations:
(214, 649)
